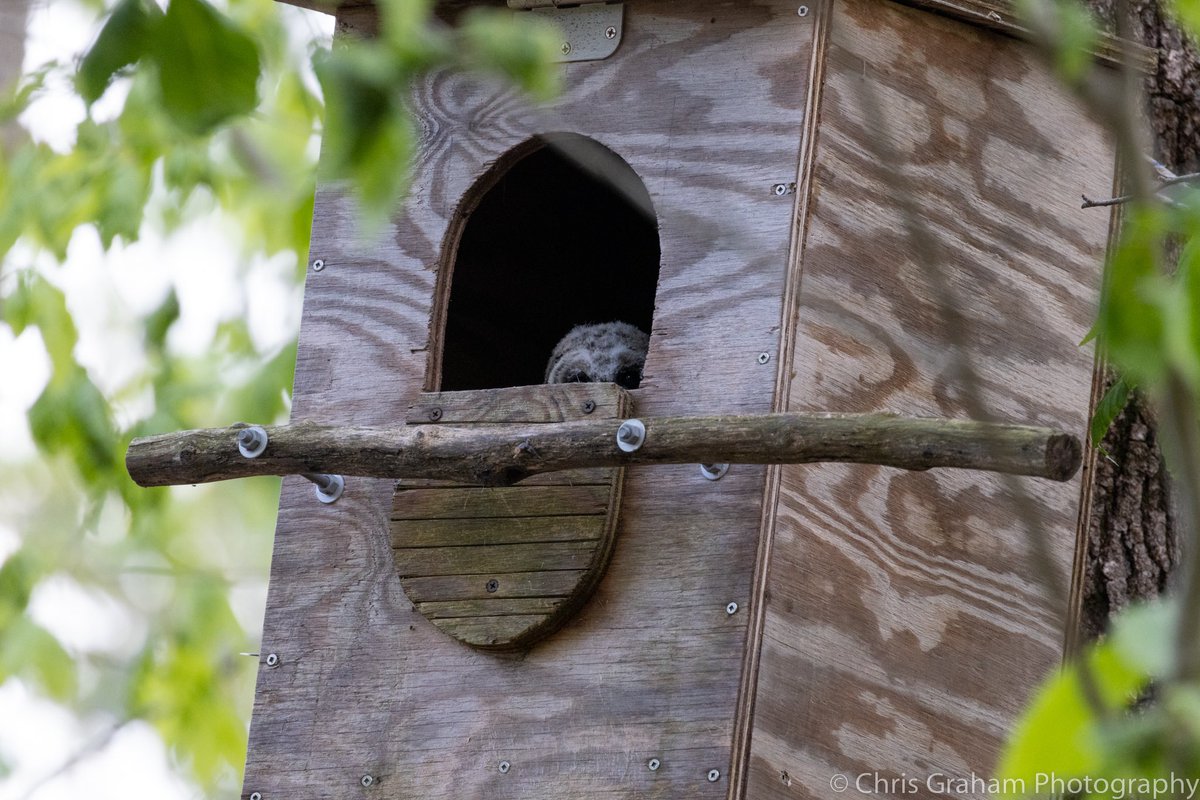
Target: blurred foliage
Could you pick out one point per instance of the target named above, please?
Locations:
(1123, 718)
(214, 115)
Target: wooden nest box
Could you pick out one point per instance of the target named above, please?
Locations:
(740, 180)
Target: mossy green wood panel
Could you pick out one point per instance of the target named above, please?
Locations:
(705, 101)
(905, 627)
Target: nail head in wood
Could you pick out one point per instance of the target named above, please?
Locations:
(504, 767)
(714, 775)
(272, 660)
(653, 765)
(367, 780)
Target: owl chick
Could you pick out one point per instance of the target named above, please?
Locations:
(599, 353)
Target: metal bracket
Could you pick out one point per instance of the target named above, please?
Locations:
(591, 31)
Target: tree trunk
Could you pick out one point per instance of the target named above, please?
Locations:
(1133, 543)
(1133, 539)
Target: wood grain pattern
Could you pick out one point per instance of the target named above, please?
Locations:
(535, 531)
(424, 532)
(705, 101)
(557, 403)
(510, 584)
(492, 502)
(998, 15)
(904, 628)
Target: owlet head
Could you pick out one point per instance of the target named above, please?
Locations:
(607, 352)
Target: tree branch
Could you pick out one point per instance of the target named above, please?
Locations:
(505, 454)
(1163, 183)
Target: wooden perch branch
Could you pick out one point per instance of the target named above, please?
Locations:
(505, 454)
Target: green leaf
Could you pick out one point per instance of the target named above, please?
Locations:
(522, 47)
(1130, 320)
(161, 320)
(1059, 732)
(1069, 29)
(125, 39)
(1188, 13)
(405, 25)
(208, 67)
(18, 574)
(29, 651)
(1184, 325)
(72, 418)
(369, 136)
(13, 104)
(1144, 636)
(1111, 404)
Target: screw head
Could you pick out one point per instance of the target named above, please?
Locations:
(764, 358)
(435, 414)
(493, 585)
(731, 609)
(589, 406)
(802, 11)
(610, 33)
(653, 764)
(256, 796)
(367, 780)
(566, 48)
(272, 660)
(714, 775)
(714, 472)
(318, 265)
(504, 767)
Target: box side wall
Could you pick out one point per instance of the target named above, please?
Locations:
(905, 624)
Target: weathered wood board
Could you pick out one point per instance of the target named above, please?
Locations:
(904, 627)
(551, 541)
(705, 101)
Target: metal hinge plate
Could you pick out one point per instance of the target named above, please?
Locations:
(591, 31)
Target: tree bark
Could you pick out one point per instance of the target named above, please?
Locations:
(1133, 539)
(1133, 542)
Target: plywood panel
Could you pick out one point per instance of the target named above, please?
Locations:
(704, 100)
(904, 627)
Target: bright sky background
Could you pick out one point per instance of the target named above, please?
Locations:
(107, 293)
